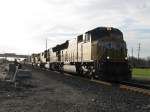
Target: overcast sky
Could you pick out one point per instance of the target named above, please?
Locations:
(26, 24)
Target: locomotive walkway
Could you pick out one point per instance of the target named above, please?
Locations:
(55, 92)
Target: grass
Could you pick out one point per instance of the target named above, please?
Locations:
(141, 72)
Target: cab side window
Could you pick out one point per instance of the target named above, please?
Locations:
(80, 38)
(62, 53)
(87, 37)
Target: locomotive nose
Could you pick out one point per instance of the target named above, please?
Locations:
(112, 50)
(115, 55)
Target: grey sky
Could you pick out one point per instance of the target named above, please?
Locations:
(25, 24)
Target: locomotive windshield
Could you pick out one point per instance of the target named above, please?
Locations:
(114, 45)
(114, 33)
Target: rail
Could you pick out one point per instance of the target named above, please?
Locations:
(139, 85)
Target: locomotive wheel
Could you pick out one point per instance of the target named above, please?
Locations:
(95, 76)
(61, 69)
(89, 73)
(91, 76)
(80, 71)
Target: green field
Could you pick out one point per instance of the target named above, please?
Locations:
(141, 72)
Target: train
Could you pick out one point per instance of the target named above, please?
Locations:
(98, 53)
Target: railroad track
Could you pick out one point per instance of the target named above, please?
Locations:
(129, 86)
(135, 87)
(124, 85)
(140, 85)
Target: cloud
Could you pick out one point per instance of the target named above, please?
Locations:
(29, 23)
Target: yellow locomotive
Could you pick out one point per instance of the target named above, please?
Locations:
(100, 53)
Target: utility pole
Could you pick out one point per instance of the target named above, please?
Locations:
(132, 53)
(46, 50)
(132, 60)
(46, 44)
(139, 48)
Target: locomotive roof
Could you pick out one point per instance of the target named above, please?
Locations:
(61, 46)
(101, 32)
(104, 29)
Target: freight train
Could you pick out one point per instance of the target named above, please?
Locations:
(98, 53)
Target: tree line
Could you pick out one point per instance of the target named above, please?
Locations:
(139, 63)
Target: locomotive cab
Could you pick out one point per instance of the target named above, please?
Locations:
(109, 52)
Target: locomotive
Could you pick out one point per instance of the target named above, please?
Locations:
(98, 53)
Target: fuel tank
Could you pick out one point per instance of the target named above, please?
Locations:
(70, 68)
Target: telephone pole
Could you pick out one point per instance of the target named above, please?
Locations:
(46, 44)
(46, 50)
(132, 53)
(139, 48)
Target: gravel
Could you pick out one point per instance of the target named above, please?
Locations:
(54, 92)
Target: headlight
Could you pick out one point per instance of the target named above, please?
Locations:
(126, 58)
(108, 57)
